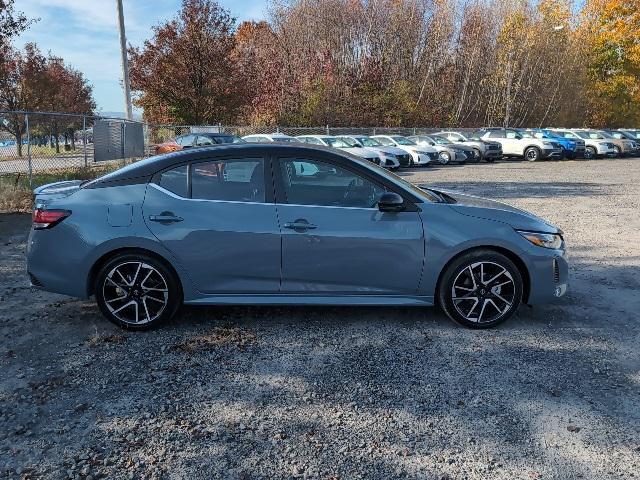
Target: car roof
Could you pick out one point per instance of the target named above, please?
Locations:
(149, 166)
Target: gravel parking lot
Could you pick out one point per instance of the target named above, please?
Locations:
(342, 393)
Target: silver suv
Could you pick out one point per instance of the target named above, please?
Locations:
(514, 144)
(485, 150)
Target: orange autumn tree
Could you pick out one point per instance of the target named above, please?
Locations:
(611, 38)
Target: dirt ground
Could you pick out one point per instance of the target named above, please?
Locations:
(342, 393)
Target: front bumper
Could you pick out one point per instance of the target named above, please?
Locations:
(552, 153)
(549, 275)
(422, 158)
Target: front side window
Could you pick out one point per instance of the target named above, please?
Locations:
(314, 182)
(240, 180)
(513, 135)
(496, 134)
(203, 141)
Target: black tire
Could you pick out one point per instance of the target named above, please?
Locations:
(532, 154)
(590, 153)
(444, 158)
(458, 271)
(477, 156)
(618, 151)
(161, 285)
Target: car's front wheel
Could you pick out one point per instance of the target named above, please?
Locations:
(481, 289)
(444, 158)
(137, 291)
(589, 153)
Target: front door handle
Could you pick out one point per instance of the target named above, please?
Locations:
(165, 217)
(300, 225)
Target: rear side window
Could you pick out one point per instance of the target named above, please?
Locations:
(239, 180)
(175, 180)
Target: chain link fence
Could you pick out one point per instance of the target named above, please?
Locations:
(37, 142)
(49, 142)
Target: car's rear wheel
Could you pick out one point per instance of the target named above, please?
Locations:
(137, 292)
(532, 154)
(481, 289)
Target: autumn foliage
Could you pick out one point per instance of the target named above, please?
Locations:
(397, 63)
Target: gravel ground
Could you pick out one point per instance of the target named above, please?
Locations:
(341, 393)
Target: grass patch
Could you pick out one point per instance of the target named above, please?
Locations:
(17, 196)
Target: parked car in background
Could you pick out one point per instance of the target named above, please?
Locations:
(191, 140)
(420, 155)
(488, 151)
(514, 144)
(447, 152)
(595, 145)
(629, 135)
(622, 145)
(389, 157)
(336, 142)
(206, 226)
(269, 137)
(572, 148)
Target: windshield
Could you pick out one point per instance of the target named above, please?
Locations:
(349, 141)
(402, 141)
(590, 135)
(605, 135)
(441, 140)
(550, 134)
(632, 133)
(369, 142)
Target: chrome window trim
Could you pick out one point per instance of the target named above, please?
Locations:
(171, 194)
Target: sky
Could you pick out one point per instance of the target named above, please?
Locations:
(85, 34)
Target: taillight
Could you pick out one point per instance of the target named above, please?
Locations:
(48, 218)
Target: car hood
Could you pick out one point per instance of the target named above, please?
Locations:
(493, 210)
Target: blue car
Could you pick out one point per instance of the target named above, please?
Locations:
(572, 148)
(285, 224)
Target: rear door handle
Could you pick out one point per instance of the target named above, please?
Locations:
(300, 225)
(165, 218)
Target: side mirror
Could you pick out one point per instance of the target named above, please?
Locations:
(391, 202)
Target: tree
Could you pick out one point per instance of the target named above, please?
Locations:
(186, 72)
(22, 87)
(611, 37)
(12, 23)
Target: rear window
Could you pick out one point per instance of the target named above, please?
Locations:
(175, 180)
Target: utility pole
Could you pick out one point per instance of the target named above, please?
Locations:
(125, 63)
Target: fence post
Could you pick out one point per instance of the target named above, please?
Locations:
(414, 130)
(26, 124)
(374, 130)
(277, 128)
(328, 130)
(84, 139)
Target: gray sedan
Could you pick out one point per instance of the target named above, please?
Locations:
(285, 224)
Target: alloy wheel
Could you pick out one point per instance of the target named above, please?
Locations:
(135, 293)
(444, 158)
(483, 292)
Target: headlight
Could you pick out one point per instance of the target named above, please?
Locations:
(544, 240)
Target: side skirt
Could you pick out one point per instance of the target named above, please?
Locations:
(371, 300)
